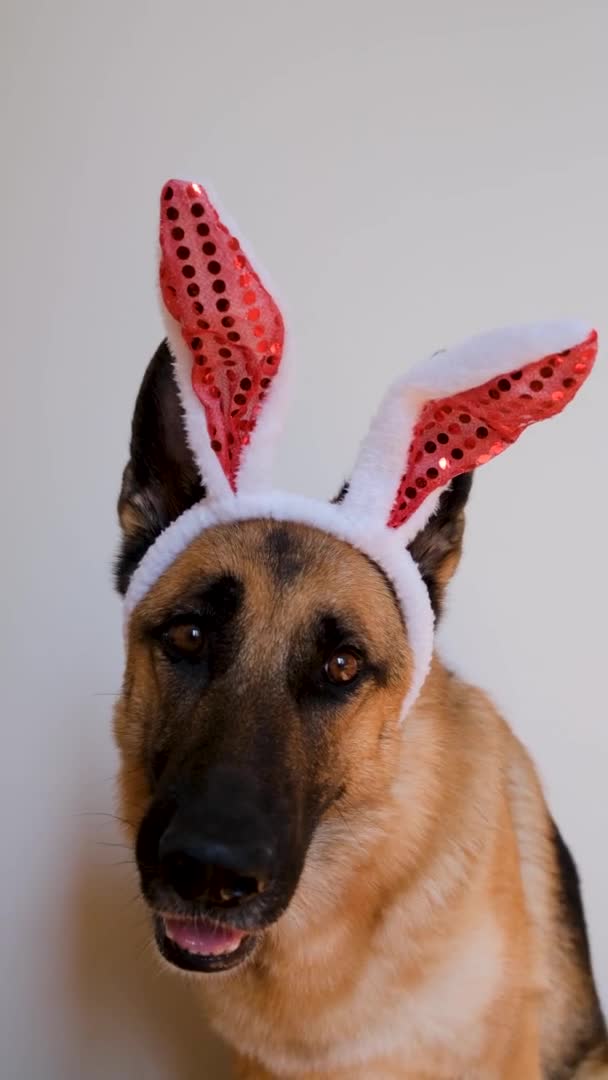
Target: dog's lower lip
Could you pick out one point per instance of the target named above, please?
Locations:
(201, 937)
(180, 941)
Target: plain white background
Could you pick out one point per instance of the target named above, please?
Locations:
(410, 173)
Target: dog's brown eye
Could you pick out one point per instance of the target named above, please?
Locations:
(185, 639)
(343, 667)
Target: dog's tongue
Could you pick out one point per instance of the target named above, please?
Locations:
(202, 937)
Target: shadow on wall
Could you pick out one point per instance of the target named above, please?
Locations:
(134, 1020)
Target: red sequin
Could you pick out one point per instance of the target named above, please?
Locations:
(235, 369)
(490, 418)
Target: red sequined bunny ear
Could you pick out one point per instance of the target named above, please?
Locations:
(456, 434)
(231, 330)
(459, 410)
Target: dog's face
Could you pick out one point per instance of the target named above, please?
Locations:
(265, 674)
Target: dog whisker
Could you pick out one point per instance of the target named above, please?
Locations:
(105, 814)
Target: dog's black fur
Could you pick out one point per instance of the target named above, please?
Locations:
(593, 1033)
(160, 480)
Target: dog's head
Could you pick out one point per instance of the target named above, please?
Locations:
(265, 673)
(275, 644)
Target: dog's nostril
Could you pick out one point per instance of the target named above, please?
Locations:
(195, 879)
(230, 892)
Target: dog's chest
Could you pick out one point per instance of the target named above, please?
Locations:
(432, 1019)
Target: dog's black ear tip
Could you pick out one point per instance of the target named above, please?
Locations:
(452, 501)
(438, 546)
(342, 493)
(460, 489)
(120, 576)
(161, 479)
(464, 483)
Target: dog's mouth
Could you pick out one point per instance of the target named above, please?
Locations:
(198, 944)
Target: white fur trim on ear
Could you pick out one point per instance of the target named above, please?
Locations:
(195, 421)
(383, 546)
(421, 517)
(488, 355)
(382, 456)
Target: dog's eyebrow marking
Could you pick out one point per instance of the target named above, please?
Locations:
(220, 596)
(285, 553)
(333, 630)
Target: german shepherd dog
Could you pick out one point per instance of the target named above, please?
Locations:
(359, 900)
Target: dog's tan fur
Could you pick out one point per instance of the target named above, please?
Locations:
(425, 939)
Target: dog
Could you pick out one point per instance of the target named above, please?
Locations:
(354, 899)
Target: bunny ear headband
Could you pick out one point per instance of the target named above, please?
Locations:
(448, 415)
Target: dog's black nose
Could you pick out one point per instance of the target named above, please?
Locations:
(208, 870)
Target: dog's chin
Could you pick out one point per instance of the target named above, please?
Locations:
(199, 945)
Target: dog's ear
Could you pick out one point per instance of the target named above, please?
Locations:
(160, 479)
(437, 548)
